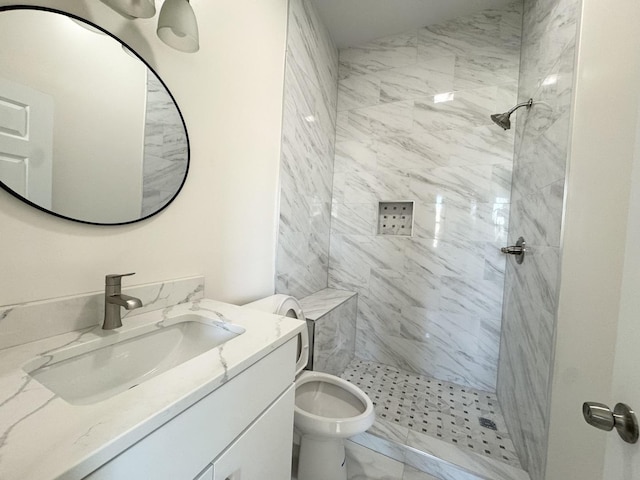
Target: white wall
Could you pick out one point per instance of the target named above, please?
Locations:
(606, 96)
(222, 225)
(98, 112)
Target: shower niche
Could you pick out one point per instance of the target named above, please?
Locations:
(395, 218)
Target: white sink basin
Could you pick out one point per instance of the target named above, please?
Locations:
(122, 360)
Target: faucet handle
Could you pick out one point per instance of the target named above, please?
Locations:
(114, 279)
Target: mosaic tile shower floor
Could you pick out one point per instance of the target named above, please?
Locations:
(459, 415)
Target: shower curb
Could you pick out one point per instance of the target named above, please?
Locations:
(449, 463)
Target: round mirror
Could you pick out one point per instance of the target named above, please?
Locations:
(88, 131)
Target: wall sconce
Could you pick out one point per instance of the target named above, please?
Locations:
(177, 24)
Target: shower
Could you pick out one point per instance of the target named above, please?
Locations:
(427, 320)
(502, 119)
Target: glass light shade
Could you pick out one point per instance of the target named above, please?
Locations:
(133, 8)
(177, 26)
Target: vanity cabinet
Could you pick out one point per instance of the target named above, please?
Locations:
(241, 431)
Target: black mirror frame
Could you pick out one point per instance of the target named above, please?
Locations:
(106, 32)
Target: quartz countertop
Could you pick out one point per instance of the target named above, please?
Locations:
(44, 437)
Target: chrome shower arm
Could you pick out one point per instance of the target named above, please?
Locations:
(527, 104)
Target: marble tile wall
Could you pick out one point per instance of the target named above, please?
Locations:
(531, 289)
(32, 321)
(413, 124)
(165, 148)
(332, 317)
(309, 119)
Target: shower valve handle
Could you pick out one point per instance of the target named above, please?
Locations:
(512, 250)
(518, 250)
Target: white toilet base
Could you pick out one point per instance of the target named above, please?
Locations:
(322, 459)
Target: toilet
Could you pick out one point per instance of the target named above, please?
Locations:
(328, 409)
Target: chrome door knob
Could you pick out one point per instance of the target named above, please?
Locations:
(622, 418)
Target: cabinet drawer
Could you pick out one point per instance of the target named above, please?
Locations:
(183, 446)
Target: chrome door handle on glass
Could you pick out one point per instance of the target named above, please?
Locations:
(622, 418)
(518, 250)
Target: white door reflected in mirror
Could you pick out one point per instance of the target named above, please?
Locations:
(26, 136)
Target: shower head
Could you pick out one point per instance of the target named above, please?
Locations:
(502, 119)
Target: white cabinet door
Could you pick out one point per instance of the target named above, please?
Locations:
(26, 142)
(263, 451)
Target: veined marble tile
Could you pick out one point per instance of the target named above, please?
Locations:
(365, 464)
(165, 148)
(324, 301)
(355, 156)
(334, 338)
(473, 297)
(378, 185)
(390, 52)
(423, 289)
(478, 222)
(357, 91)
(309, 39)
(419, 80)
(473, 71)
(302, 90)
(424, 358)
(354, 219)
(449, 331)
(483, 184)
(481, 466)
(549, 28)
(293, 248)
(442, 257)
(387, 285)
(490, 31)
(357, 254)
(415, 151)
(384, 119)
(538, 282)
(429, 220)
(524, 374)
(471, 108)
(549, 37)
(494, 262)
(542, 160)
(309, 118)
(545, 208)
(386, 438)
(379, 315)
(482, 145)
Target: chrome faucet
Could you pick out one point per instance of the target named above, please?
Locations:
(114, 299)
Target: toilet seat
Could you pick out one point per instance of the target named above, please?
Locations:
(331, 407)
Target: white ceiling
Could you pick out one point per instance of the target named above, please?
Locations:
(352, 22)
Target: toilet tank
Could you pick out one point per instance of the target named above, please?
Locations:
(290, 307)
